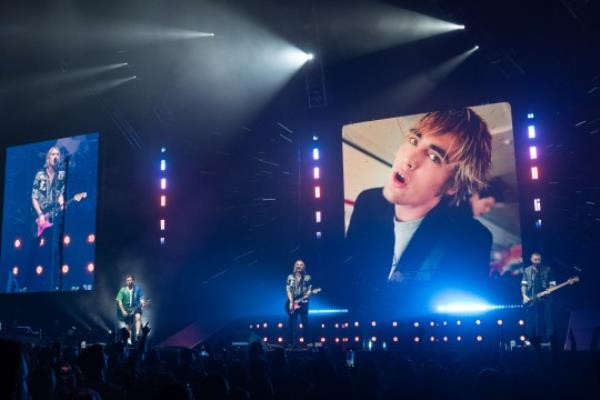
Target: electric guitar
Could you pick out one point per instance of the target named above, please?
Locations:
(53, 212)
(298, 302)
(131, 311)
(551, 289)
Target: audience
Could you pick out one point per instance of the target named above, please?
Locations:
(116, 372)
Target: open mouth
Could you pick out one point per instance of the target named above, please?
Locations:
(399, 178)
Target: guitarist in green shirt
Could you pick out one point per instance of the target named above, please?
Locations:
(130, 301)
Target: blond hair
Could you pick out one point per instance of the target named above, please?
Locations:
(472, 150)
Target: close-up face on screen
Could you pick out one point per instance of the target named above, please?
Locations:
(49, 219)
(432, 198)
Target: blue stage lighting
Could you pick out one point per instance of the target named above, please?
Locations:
(330, 311)
(464, 308)
(315, 154)
(531, 131)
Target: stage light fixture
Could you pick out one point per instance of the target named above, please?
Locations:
(318, 217)
(337, 339)
(316, 173)
(66, 240)
(317, 192)
(163, 165)
(65, 269)
(265, 325)
(42, 242)
(521, 322)
(417, 339)
(163, 149)
(90, 267)
(533, 153)
(479, 338)
(301, 339)
(432, 338)
(323, 339)
(318, 234)
(279, 339)
(336, 325)
(458, 322)
(477, 322)
(530, 116)
(373, 323)
(373, 339)
(395, 339)
(18, 243)
(162, 240)
(531, 131)
(445, 338)
(416, 324)
(356, 324)
(534, 173)
(394, 324)
(356, 338)
(39, 270)
(163, 183)
(163, 200)
(500, 322)
(315, 154)
(310, 56)
(538, 223)
(265, 339)
(458, 338)
(91, 238)
(162, 224)
(322, 326)
(280, 325)
(15, 270)
(522, 338)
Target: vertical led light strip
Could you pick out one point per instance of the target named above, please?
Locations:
(316, 174)
(163, 196)
(534, 167)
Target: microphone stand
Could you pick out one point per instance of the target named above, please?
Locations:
(61, 229)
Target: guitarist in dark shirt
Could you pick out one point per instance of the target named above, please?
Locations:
(298, 288)
(536, 279)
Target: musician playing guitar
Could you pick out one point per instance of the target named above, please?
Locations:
(130, 301)
(538, 278)
(48, 185)
(298, 289)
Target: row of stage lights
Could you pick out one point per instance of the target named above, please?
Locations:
(90, 239)
(317, 187)
(371, 340)
(39, 270)
(163, 195)
(395, 339)
(534, 168)
(393, 324)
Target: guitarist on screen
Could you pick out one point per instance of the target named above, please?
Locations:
(298, 289)
(538, 278)
(48, 187)
(130, 301)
